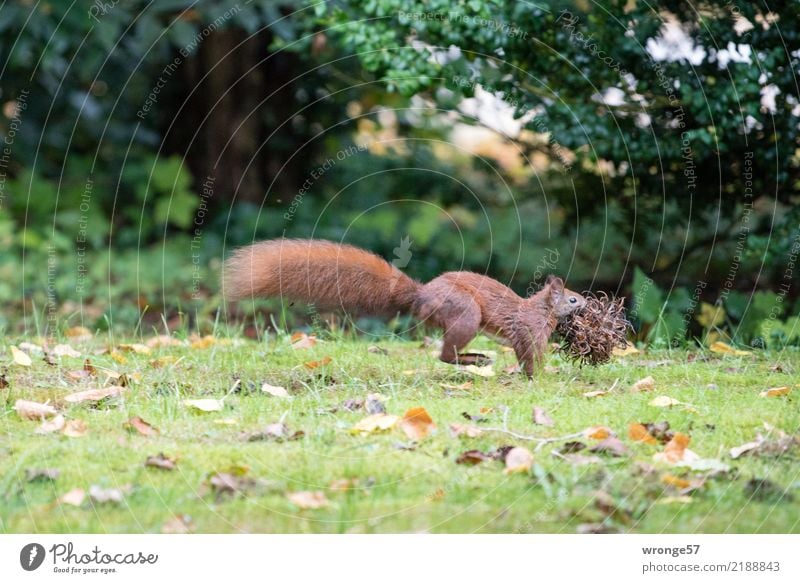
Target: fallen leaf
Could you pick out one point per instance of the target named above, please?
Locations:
(75, 428)
(572, 447)
(664, 401)
(205, 405)
(473, 457)
(592, 394)
(317, 363)
(464, 430)
(308, 500)
(723, 348)
(374, 404)
(41, 475)
(231, 481)
(163, 361)
(274, 431)
(610, 446)
(32, 410)
(375, 423)
(177, 525)
(55, 424)
(518, 460)
(101, 495)
(118, 357)
(775, 392)
(542, 418)
(94, 395)
(480, 371)
(644, 385)
(65, 350)
(198, 343)
(628, 350)
(135, 348)
(78, 333)
(301, 340)
(762, 446)
(417, 424)
(465, 386)
(676, 450)
(675, 481)
(275, 391)
(163, 340)
(141, 426)
(89, 368)
(599, 432)
(19, 357)
(377, 350)
(161, 462)
(74, 497)
(638, 432)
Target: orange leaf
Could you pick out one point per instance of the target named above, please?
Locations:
(600, 432)
(417, 424)
(638, 432)
(140, 425)
(317, 363)
(775, 392)
(675, 450)
(675, 481)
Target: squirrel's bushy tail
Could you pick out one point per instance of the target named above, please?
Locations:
(326, 274)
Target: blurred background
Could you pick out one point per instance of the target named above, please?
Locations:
(646, 150)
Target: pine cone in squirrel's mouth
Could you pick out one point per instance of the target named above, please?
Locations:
(591, 333)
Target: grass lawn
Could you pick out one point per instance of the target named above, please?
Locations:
(383, 482)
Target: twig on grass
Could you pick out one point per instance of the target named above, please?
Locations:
(541, 441)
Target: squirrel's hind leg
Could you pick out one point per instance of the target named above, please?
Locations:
(459, 329)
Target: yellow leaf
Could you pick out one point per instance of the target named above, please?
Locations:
(518, 460)
(644, 385)
(118, 357)
(675, 481)
(674, 500)
(205, 405)
(638, 432)
(375, 423)
(20, 357)
(723, 348)
(628, 350)
(204, 342)
(664, 401)
(775, 392)
(417, 424)
(710, 316)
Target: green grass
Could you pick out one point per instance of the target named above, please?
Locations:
(399, 488)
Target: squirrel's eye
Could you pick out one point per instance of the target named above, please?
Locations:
(573, 300)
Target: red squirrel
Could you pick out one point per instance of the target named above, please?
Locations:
(330, 275)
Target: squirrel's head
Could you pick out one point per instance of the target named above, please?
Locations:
(562, 300)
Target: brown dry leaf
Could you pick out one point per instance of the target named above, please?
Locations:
(55, 424)
(775, 392)
(599, 432)
(317, 363)
(473, 457)
(32, 410)
(74, 497)
(136, 348)
(3, 381)
(723, 348)
(464, 430)
(628, 350)
(205, 405)
(592, 394)
(199, 343)
(676, 450)
(161, 462)
(644, 385)
(65, 350)
(275, 391)
(100, 495)
(610, 446)
(762, 446)
(141, 426)
(89, 367)
(75, 428)
(638, 432)
(301, 340)
(417, 424)
(78, 333)
(518, 460)
(78, 375)
(177, 525)
(375, 423)
(542, 418)
(308, 500)
(20, 358)
(94, 395)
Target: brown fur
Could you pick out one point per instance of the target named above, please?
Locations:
(461, 303)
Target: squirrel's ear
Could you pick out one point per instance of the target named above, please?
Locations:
(556, 283)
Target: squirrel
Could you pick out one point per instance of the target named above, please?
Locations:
(331, 275)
